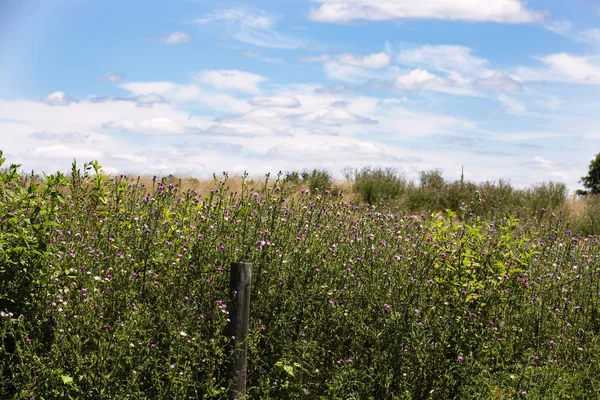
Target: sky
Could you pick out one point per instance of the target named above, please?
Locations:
(504, 89)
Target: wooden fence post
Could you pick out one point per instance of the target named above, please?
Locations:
(239, 315)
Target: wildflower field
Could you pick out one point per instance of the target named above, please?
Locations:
(115, 288)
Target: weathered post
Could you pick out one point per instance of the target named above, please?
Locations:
(239, 315)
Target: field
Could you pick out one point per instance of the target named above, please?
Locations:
(117, 288)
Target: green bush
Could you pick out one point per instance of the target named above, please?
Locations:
(547, 195)
(27, 214)
(431, 179)
(317, 180)
(375, 184)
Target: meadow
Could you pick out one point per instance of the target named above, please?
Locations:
(374, 288)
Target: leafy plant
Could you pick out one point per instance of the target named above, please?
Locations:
(129, 297)
(375, 184)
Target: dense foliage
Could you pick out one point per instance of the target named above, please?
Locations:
(119, 289)
(591, 182)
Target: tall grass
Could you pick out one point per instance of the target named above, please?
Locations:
(125, 294)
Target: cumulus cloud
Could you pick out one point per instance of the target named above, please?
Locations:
(350, 67)
(144, 100)
(275, 101)
(154, 126)
(335, 151)
(59, 99)
(189, 95)
(498, 82)
(111, 77)
(445, 58)
(149, 99)
(420, 79)
(231, 80)
(565, 67)
(502, 11)
(65, 137)
(370, 61)
(282, 126)
(62, 151)
(333, 117)
(253, 27)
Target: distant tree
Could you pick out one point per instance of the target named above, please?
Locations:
(592, 180)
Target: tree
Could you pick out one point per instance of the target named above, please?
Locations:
(592, 180)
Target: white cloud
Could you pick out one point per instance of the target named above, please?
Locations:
(154, 126)
(352, 68)
(252, 27)
(59, 99)
(420, 79)
(561, 27)
(175, 38)
(169, 90)
(275, 101)
(513, 106)
(62, 151)
(188, 95)
(446, 58)
(149, 99)
(506, 11)
(591, 36)
(565, 28)
(260, 56)
(334, 117)
(285, 127)
(111, 77)
(336, 151)
(63, 137)
(231, 80)
(542, 162)
(570, 68)
(370, 61)
(498, 82)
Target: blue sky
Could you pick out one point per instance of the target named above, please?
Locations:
(506, 88)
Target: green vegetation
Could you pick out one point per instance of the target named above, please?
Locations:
(374, 185)
(592, 180)
(116, 288)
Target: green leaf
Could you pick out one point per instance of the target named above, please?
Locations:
(66, 379)
(289, 369)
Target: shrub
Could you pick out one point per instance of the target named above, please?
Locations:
(427, 194)
(549, 195)
(317, 180)
(27, 214)
(378, 183)
(431, 179)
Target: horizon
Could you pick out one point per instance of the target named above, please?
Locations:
(507, 90)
